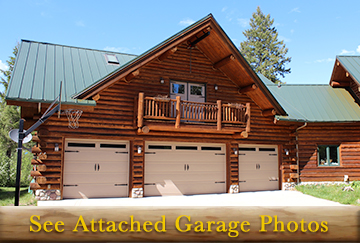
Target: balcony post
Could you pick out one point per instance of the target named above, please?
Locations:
(141, 111)
(219, 115)
(247, 117)
(178, 112)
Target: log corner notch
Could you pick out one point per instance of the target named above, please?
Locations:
(269, 112)
(224, 61)
(167, 54)
(340, 84)
(96, 97)
(131, 76)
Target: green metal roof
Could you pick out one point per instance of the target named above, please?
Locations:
(40, 67)
(352, 65)
(315, 103)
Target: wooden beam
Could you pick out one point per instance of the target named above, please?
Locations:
(293, 175)
(248, 118)
(219, 115)
(269, 112)
(141, 111)
(294, 167)
(96, 97)
(178, 112)
(244, 134)
(34, 186)
(167, 54)
(35, 173)
(340, 84)
(223, 61)
(36, 161)
(347, 74)
(248, 88)
(35, 150)
(41, 180)
(41, 167)
(132, 75)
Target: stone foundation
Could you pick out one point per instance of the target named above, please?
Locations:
(45, 195)
(289, 186)
(137, 193)
(234, 189)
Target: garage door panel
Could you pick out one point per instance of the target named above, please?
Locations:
(95, 191)
(258, 166)
(95, 177)
(96, 169)
(192, 171)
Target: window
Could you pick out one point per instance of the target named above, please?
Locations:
(178, 88)
(196, 90)
(111, 59)
(328, 155)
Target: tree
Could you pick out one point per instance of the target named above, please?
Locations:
(262, 49)
(9, 115)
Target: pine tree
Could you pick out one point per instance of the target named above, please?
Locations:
(262, 49)
(9, 115)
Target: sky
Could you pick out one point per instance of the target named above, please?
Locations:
(313, 31)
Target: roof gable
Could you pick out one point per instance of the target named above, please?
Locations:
(211, 40)
(40, 67)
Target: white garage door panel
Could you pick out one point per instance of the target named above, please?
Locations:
(95, 191)
(258, 169)
(98, 171)
(192, 171)
(72, 178)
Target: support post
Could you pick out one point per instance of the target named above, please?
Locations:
(178, 112)
(18, 166)
(219, 115)
(247, 116)
(141, 111)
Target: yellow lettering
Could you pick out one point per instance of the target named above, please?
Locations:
(177, 223)
(100, 225)
(162, 223)
(93, 225)
(120, 226)
(303, 222)
(147, 223)
(316, 226)
(82, 224)
(232, 226)
(111, 227)
(47, 223)
(199, 226)
(221, 227)
(324, 227)
(57, 224)
(244, 223)
(263, 222)
(277, 223)
(209, 223)
(289, 226)
(35, 223)
(132, 222)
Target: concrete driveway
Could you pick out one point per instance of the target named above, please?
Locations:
(264, 198)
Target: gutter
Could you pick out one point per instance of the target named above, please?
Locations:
(297, 150)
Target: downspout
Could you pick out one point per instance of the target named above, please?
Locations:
(297, 151)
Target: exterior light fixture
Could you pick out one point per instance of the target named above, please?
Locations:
(216, 87)
(139, 150)
(235, 150)
(56, 149)
(286, 151)
(162, 81)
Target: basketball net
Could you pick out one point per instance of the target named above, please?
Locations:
(73, 117)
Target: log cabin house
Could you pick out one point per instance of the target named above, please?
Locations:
(188, 116)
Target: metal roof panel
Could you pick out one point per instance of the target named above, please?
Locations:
(352, 65)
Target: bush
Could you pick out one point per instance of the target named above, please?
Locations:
(8, 169)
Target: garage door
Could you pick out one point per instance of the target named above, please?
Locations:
(95, 169)
(186, 168)
(258, 168)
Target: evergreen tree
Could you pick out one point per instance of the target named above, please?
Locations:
(262, 49)
(9, 115)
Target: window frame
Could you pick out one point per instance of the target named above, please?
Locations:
(327, 149)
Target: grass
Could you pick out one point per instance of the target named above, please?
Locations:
(7, 197)
(333, 192)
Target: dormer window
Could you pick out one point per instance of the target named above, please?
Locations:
(111, 59)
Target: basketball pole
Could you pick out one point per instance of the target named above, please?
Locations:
(23, 134)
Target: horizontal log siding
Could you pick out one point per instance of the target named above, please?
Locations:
(344, 134)
(114, 117)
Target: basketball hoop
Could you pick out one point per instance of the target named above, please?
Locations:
(73, 117)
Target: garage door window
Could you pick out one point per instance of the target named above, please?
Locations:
(82, 145)
(328, 155)
(186, 148)
(107, 145)
(159, 147)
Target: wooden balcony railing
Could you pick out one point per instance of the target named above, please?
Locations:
(155, 108)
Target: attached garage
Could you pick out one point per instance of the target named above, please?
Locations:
(184, 168)
(258, 168)
(96, 169)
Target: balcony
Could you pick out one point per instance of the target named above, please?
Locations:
(165, 114)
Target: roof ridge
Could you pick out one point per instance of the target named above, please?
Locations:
(84, 48)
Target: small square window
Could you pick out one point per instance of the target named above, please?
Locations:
(178, 88)
(328, 155)
(111, 59)
(196, 90)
